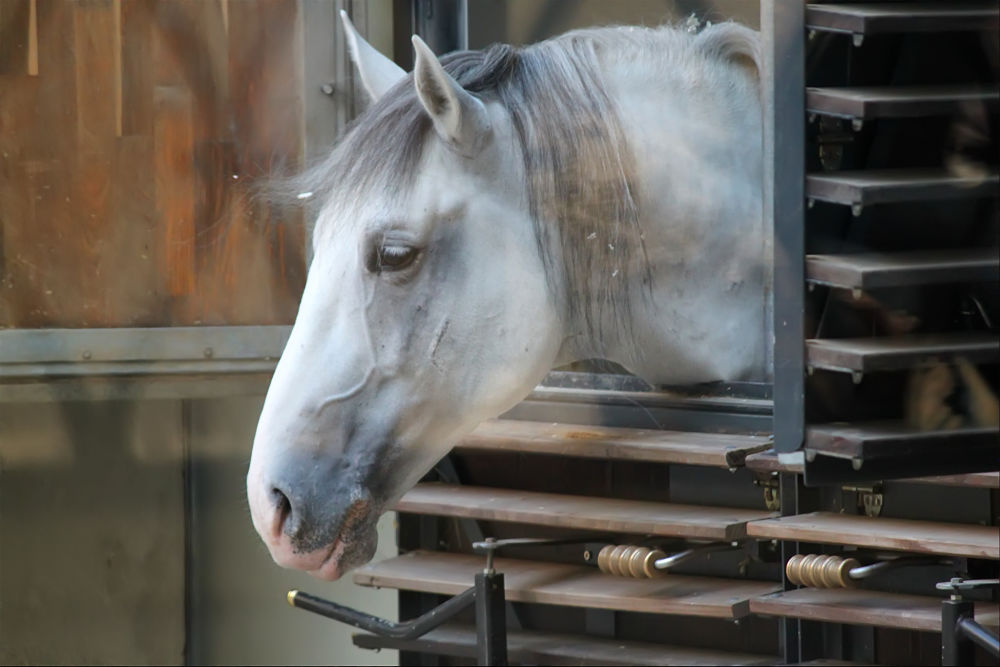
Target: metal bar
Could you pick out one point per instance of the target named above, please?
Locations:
(783, 94)
(865, 571)
(491, 622)
(688, 554)
(969, 628)
(956, 648)
(405, 630)
(118, 345)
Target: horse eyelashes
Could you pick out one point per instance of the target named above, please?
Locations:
(390, 257)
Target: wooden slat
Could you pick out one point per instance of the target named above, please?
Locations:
(864, 607)
(544, 648)
(864, 355)
(15, 34)
(896, 101)
(173, 164)
(982, 480)
(569, 585)
(881, 186)
(924, 267)
(767, 461)
(881, 17)
(606, 442)
(930, 537)
(873, 440)
(579, 512)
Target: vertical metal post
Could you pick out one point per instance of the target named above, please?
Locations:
(491, 623)
(956, 647)
(783, 96)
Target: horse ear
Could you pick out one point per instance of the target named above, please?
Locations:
(378, 73)
(459, 117)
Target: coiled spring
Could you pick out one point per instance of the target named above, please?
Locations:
(627, 560)
(821, 571)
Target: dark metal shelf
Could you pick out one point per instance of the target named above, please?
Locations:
(871, 18)
(901, 269)
(893, 439)
(546, 648)
(864, 355)
(845, 453)
(896, 101)
(883, 186)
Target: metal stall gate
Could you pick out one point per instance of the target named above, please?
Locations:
(146, 292)
(827, 540)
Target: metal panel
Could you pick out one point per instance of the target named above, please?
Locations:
(783, 92)
(91, 534)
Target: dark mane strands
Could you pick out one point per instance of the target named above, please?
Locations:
(578, 167)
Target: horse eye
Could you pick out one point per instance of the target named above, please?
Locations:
(391, 257)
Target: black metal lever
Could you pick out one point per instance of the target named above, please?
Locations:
(406, 630)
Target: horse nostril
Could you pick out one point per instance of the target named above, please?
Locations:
(282, 509)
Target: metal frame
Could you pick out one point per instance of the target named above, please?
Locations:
(783, 95)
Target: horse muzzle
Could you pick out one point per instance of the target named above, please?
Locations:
(325, 536)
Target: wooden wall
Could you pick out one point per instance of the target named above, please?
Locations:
(134, 135)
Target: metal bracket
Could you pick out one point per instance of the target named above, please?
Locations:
(772, 492)
(870, 498)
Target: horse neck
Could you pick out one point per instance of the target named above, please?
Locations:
(696, 286)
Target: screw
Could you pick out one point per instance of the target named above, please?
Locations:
(209, 353)
(86, 354)
(587, 555)
(327, 89)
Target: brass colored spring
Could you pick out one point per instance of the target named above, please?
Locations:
(625, 560)
(821, 571)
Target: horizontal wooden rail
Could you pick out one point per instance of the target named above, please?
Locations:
(864, 607)
(579, 512)
(614, 443)
(929, 537)
(569, 585)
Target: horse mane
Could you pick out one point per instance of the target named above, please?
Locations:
(579, 169)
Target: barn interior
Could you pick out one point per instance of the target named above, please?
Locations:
(148, 286)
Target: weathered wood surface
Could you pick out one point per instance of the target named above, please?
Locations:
(864, 607)
(133, 136)
(614, 443)
(570, 585)
(579, 512)
(930, 537)
(544, 648)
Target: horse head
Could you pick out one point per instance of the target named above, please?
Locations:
(425, 264)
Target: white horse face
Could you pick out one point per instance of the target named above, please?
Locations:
(422, 315)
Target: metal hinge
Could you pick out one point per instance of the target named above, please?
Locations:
(870, 498)
(772, 494)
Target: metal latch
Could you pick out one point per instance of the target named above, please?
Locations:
(772, 492)
(870, 498)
